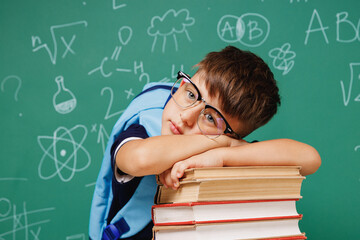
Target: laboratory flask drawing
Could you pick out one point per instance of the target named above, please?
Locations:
(64, 153)
(64, 100)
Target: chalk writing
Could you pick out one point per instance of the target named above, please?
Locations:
(292, 1)
(22, 224)
(13, 179)
(320, 28)
(103, 137)
(116, 5)
(64, 100)
(354, 81)
(37, 43)
(346, 31)
(62, 153)
(250, 29)
(171, 24)
(353, 30)
(124, 35)
(173, 74)
(80, 236)
(18, 82)
(283, 58)
(108, 114)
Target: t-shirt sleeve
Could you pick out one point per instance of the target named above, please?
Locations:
(135, 131)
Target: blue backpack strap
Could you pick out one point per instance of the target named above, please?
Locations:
(145, 109)
(114, 231)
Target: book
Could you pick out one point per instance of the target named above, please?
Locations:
(245, 171)
(232, 189)
(285, 228)
(209, 212)
(233, 172)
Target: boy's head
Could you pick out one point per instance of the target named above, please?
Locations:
(244, 84)
(237, 83)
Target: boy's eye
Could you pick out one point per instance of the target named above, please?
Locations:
(210, 119)
(190, 95)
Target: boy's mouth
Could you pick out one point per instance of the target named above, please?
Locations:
(175, 129)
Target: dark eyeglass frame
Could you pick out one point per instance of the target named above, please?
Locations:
(228, 129)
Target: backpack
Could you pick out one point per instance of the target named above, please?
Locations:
(145, 109)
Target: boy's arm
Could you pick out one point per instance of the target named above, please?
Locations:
(272, 152)
(156, 154)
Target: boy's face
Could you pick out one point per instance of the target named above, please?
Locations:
(177, 120)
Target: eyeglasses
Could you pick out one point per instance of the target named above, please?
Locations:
(210, 121)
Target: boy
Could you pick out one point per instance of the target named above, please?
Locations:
(203, 125)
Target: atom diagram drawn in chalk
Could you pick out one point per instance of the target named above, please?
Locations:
(64, 154)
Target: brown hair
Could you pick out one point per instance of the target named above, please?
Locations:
(245, 84)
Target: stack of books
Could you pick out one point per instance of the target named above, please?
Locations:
(255, 202)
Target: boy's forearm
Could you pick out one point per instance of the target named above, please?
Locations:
(157, 154)
(273, 152)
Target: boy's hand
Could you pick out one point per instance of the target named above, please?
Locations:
(170, 178)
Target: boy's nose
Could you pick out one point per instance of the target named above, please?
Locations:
(190, 115)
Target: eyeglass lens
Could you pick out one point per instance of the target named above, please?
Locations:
(209, 121)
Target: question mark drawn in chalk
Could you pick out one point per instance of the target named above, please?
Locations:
(16, 78)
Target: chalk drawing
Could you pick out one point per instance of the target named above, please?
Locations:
(18, 82)
(64, 100)
(90, 184)
(80, 236)
(93, 128)
(62, 153)
(250, 29)
(124, 35)
(108, 114)
(312, 29)
(37, 43)
(23, 224)
(171, 24)
(103, 137)
(13, 179)
(283, 58)
(354, 80)
(298, 1)
(173, 74)
(116, 5)
(143, 76)
(129, 93)
(352, 29)
(5, 207)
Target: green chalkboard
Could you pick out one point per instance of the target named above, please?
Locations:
(69, 68)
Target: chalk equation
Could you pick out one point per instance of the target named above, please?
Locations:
(250, 29)
(80, 236)
(170, 25)
(103, 137)
(108, 113)
(12, 78)
(283, 58)
(64, 100)
(353, 86)
(298, 1)
(24, 224)
(64, 153)
(116, 4)
(124, 35)
(37, 43)
(346, 30)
